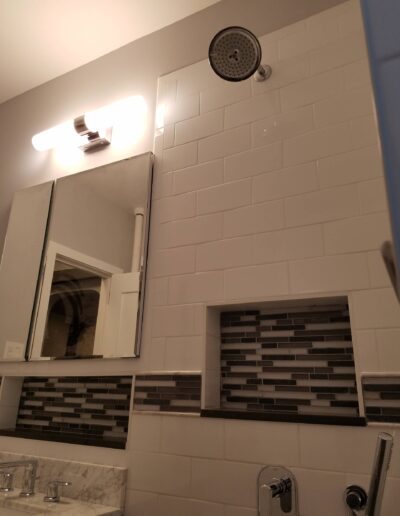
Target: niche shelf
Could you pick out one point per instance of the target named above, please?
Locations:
(288, 360)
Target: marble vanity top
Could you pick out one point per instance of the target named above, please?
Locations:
(12, 504)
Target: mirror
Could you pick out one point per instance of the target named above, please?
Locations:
(90, 292)
(90, 300)
(19, 268)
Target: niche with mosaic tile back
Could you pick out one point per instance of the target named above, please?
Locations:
(288, 360)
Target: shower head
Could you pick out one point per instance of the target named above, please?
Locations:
(235, 55)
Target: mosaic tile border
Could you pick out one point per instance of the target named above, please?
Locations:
(76, 409)
(289, 360)
(381, 398)
(168, 392)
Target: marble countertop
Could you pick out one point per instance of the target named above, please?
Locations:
(67, 507)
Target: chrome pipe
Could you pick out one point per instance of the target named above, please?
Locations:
(377, 484)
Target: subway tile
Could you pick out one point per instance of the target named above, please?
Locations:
(158, 290)
(376, 308)
(225, 482)
(317, 144)
(224, 197)
(224, 144)
(199, 127)
(343, 51)
(364, 131)
(141, 503)
(169, 136)
(377, 270)
(282, 126)
(284, 72)
(253, 219)
(290, 244)
(329, 274)
(179, 260)
(388, 349)
(176, 207)
(169, 321)
(350, 167)
(176, 110)
(197, 177)
(265, 442)
(193, 436)
(357, 75)
(239, 511)
(183, 353)
(145, 433)
(253, 162)
(328, 448)
(193, 288)
(166, 90)
(252, 109)
(330, 487)
(357, 234)
(258, 281)
(162, 185)
(179, 157)
(196, 230)
(223, 95)
(194, 78)
(342, 107)
(390, 504)
(152, 472)
(373, 196)
(322, 206)
(285, 182)
(169, 505)
(317, 33)
(224, 254)
(351, 21)
(365, 351)
(311, 90)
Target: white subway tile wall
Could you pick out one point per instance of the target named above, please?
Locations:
(288, 200)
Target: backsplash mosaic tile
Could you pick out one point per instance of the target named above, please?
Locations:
(79, 408)
(382, 398)
(168, 393)
(289, 360)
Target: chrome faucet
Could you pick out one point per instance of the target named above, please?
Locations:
(277, 488)
(355, 496)
(381, 465)
(28, 485)
(53, 494)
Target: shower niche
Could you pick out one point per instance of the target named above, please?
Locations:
(287, 360)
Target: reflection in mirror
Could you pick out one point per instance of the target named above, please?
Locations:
(91, 291)
(72, 312)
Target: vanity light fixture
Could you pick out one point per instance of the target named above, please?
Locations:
(92, 131)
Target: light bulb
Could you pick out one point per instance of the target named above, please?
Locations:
(62, 134)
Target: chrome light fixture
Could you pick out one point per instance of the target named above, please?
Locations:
(93, 130)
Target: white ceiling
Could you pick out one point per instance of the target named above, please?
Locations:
(43, 39)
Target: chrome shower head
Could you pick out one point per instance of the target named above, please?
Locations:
(235, 55)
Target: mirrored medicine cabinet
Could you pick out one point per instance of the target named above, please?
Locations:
(72, 276)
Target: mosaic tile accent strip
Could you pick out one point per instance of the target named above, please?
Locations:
(294, 360)
(95, 407)
(382, 398)
(168, 393)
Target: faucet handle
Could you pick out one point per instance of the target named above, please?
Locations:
(7, 483)
(53, 494)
